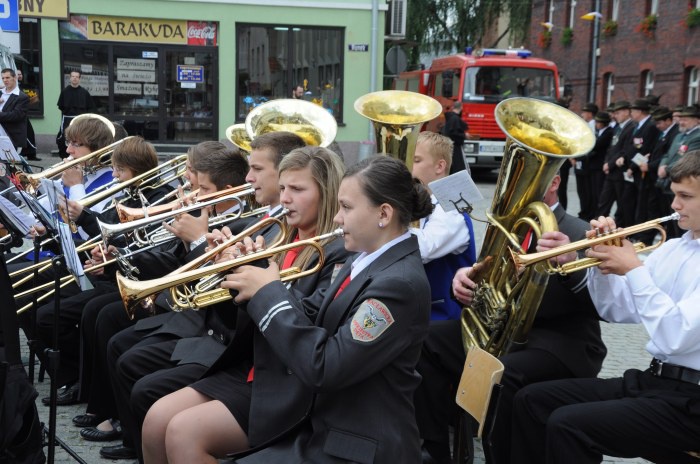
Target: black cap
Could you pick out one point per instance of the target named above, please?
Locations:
(661, 113)
(678, 109)
(590, 107)
(641, 104)
(603, 117)
(621, 105)
(610, 108)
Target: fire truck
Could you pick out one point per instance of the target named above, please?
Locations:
(480, 80)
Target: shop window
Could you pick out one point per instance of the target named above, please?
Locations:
(29, 62)
(273, 60)
(609, 80)
(647, 81)
(693, 79)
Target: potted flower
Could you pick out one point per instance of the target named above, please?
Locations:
(648, 25)
(610, 28)
(544, 40)
(567, 36)
(692, 19)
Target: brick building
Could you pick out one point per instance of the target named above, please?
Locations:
(645, 46)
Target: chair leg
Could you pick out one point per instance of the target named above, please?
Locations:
(463, 444)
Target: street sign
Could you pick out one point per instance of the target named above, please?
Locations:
(9, 15)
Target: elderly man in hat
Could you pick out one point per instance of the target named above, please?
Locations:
(615, 163)
(687, 140)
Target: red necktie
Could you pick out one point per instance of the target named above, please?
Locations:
(345, 283)
(527, 241)
(267, 215)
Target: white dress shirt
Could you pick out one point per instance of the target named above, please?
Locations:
(441, 233)
(663, 294)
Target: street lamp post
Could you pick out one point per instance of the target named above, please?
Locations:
(595, 16)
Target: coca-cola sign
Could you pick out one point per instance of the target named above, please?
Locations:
(201, 33)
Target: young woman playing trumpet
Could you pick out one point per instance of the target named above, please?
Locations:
(331, 385)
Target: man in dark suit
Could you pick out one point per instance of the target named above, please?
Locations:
(614, 165)
(650, 202)
(13, 110)
(644, 138)
(589, 169)
(564, 341)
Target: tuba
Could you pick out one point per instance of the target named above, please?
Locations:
(541, 136)
(238, 136)
(397, 117)
(313, 123)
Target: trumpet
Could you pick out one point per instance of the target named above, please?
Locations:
(127, 214)
(134, 291)
(615, 237)
(137, 227)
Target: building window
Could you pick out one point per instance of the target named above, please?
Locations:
(273, 60)
(647, 81)
(614, 10)
(29, 62)
(693, 80)
(548, 11)
(570, 13)
(651, 7)
(609, 80)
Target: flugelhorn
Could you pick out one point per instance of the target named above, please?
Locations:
(614, 237)
(397, 117)
(134, 291)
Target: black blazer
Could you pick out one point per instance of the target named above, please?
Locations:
(13, 119)
(657, 154)
(349, 376)
(619, 144)
(595, 159)
(644, 140)
(567, 323)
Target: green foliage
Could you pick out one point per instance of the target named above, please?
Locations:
(567, 36)
(648, 25)
(692, 19)
(610, 28)
(441, 26)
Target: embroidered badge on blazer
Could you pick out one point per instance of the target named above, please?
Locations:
(370, 320)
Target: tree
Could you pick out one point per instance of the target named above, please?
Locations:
(440, 26)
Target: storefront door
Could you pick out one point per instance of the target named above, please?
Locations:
(163, 93)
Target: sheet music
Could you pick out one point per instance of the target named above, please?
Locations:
(38, 209)
(20, 221)
(639, 159)
(75, 267)
(456, 192)
(7, 151)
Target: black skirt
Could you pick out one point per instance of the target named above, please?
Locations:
(231, 387)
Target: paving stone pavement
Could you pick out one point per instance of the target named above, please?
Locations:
(625, 350)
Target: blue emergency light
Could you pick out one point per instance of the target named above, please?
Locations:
(520, 53)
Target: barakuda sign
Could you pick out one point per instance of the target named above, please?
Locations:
(201, 33)
(146, 30)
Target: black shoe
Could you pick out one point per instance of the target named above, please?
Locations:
(87, 420)
(95, 434)
(118, 452)
(70, 395)
(34, 159)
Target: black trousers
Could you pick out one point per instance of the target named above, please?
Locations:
(564, 184)
(141, 371)
(580, 420)
(611, 194)
(441, 365)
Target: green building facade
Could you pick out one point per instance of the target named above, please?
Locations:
(182, 71)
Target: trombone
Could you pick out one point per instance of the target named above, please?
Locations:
(615, 236)
(204, 292)
(145, 238)
(31, 182)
